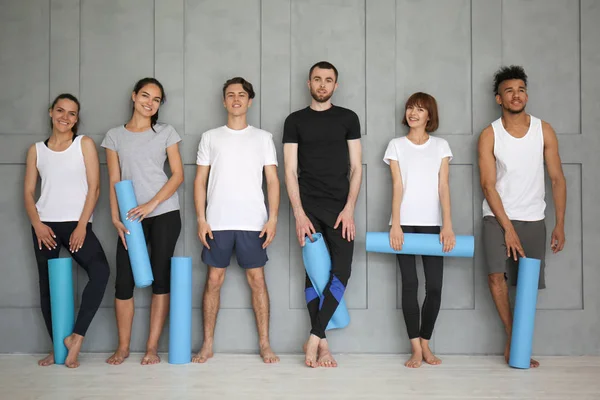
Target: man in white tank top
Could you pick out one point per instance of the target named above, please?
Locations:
(512, 151)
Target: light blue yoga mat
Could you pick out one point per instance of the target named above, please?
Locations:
(136, 242)
(317, 263)
(524, 315)
(180, 321)
(62, 305)
(423, 244)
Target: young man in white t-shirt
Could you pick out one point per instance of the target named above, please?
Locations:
(231, 211)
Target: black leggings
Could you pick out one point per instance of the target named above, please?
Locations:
(90, 257)
(433, 267)
(161, 233)
(341, 252)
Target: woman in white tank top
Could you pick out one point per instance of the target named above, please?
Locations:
(69, 170)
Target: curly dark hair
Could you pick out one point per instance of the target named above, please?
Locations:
(506, 73)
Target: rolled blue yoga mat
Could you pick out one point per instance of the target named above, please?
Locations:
(62, 305)
(180, 322)
(318, 267)
(136, 242)
(424, 244)
(524, 315)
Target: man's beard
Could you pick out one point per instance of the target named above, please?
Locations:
(319, 98)
(510, 110)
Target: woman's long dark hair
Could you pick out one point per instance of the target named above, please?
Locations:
(67, 96)
(147, 81)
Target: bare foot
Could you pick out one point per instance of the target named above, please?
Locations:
(268, 355)
(118, 357)
(532, 363)
(428, 355)
(151, 357)
(417, 354)
(73, 343)
(415, 360)
(312, 346)
(430, 358)
(204, 354)
(48, 360)
(325, 357)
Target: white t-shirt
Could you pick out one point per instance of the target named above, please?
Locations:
(235, 199)
(419, 167)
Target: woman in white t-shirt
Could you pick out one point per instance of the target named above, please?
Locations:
(420, 204)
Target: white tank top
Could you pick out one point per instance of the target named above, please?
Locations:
(64, 182)
(520, 172)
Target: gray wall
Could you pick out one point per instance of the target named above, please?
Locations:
(385, 50)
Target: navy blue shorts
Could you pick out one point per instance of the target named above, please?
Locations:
(246, 244)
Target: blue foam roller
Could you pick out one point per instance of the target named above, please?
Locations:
(180, 321)
(524, 316)
(424, 244)
(62, 304)
(136, 242)
(318, 267)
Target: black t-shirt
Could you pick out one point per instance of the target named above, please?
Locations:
(323, 157)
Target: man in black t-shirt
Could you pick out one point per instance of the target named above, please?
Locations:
(321, 149)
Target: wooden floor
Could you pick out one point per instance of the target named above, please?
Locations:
(230, 376)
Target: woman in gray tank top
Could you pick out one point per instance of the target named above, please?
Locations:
(137, 151)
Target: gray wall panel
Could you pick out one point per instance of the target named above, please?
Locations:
(381, 122)
(342, 22)
(20, 287)
(590, 96)
(564, 270)
(117, 49)
(458, 272)
(486, 42)
(436, 61)
(535, 34)
(385, 50)
(168, 54)
(14, 322)
(24, 62)
(219, 44)
(64, 47)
